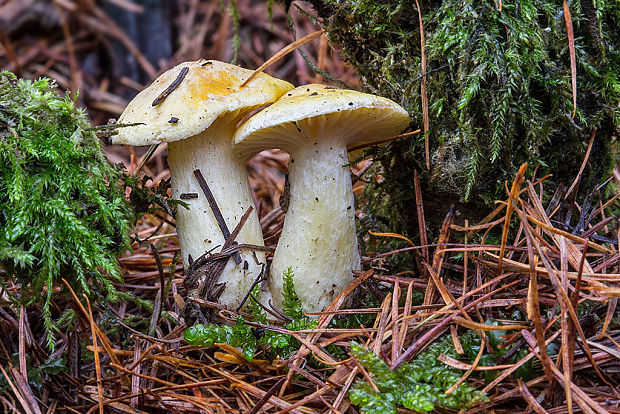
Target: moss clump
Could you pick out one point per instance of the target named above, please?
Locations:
(62, 212)
(499, 92)
(249, 339)
(420, 385)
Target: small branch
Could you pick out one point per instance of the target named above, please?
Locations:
(258, 279)
(216, 212)
(172, 87)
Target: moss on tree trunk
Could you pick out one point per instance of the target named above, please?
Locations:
(499, 94)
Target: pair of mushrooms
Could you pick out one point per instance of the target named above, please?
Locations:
(196, 107)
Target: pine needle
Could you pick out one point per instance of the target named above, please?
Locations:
(571, 49)
(283, 52)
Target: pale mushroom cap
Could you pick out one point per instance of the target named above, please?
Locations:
(307, 112)
(208, 90)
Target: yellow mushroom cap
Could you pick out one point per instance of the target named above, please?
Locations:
(206, 91)
(314, 111)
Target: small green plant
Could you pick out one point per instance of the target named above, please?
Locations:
(249, 339)
(420, 385)
(496, 340)
(35, 375)
(63, 212)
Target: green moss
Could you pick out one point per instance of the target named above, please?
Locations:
(250, 339)
(62, 212)
(419, 385)
(499, 93)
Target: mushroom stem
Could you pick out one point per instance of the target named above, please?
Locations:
(318, 239)
(197, 228)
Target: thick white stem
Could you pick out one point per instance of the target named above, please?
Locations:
(198, 230)
(318, 239)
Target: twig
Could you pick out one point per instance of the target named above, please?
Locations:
(91, 319)
(583, 165)
(283, 52)
(382, 141)
(160, 269)
(267, 396)
(160, 98)
(216, 211)
(257, 280)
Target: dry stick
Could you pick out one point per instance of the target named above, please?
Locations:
(608, 202)
(75, 83)
(135, 379)
(173, 360)
(586, 403)
(598, 226)
(382, 141)
(107, 345)
(532, 402)
(533, 304)
(25, 403)
(22, 343)
(91, 320)
(345, 387)
(562, 296)
(10, 53)
(571, 49)
(480, 328)
(253, 389)
(574, 299)
(569, 236)
(257, 280)
(469, 371)
(486, 220)
(283, 52)
(160, 98)
(324, 320)
(567, 362)
(159, 304)
(394, 314)
(595, 279)
(25, 390)
(512, 198)
(425, 119)
(455, 363)
(437, 329)
(219, 267)
(583, 165)
(383, 321)
(406, 313)
(438, 256)
(420, 210)
(502, 397)
(469, 324)
(458, 347)
(216, 211)
(515, 366)
(306, 374)
(611, 311)
(267, 396)
(146, 157)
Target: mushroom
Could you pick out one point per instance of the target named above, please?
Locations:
(195, 107)
(315, 124)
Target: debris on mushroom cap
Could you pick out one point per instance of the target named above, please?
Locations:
(194, 94)
(314, 110)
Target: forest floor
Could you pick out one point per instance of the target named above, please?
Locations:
(547, 284)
